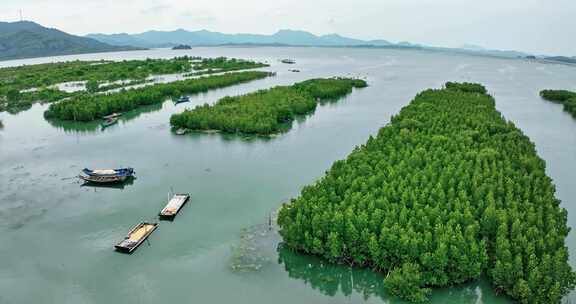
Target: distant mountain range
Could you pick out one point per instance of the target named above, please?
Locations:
(208, 38)
(564, 59)
(153, 39)
(26, 39)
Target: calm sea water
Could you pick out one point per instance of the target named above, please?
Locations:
(56, 237)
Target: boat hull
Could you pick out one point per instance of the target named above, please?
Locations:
(109, 123)
(104, 179)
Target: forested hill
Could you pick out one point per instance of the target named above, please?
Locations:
(25, 39)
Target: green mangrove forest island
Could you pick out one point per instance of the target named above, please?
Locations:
(266, 111)
(312, 164)
(447, 192)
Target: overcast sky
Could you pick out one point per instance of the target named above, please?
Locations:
(539, 26)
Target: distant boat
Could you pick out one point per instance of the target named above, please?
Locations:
(108, 122)
(181, 131)
(182, 99)
(294, 71)
(182, 47)
(135, 237)
(288, 61)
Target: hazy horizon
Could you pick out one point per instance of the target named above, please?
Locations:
(533, 26)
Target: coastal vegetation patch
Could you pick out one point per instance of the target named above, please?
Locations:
(563, 97)
(264, 112)
(447, 192)
(91, 107)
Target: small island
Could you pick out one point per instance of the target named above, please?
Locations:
(448, 192)
(182, 47)
(563, 97)
(264, 112)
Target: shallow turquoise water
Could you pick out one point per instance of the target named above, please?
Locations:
(56, 237)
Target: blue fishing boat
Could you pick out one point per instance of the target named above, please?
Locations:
(126, 172)
(182, 99)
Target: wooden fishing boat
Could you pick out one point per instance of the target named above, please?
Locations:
(111, 179)
(135, 237)
(113, 115)
(288, 61)
(109, 172)
(182, 99)
(108, 122)
(173, 207)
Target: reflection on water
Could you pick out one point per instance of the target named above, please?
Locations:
(119, 186)
(228, 137)
(259, 245)
(331, 279)
(78, 127)
(75, 126)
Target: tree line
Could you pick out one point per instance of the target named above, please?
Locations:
(563, 97)
(87, 107)
(266, 111)
(445, 193)
(223, 64)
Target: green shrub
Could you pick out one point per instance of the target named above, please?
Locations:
(406, 282)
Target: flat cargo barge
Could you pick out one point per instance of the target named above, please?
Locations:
(173, 207)
(136, 236)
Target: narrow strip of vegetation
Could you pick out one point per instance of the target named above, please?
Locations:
(91, 107)
(264, 112)
(445, 193)
(223, 64)
(563, 97)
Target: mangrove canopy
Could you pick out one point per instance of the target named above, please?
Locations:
(91, 107)
(566, 98)
(264, 112)
(447, 192)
